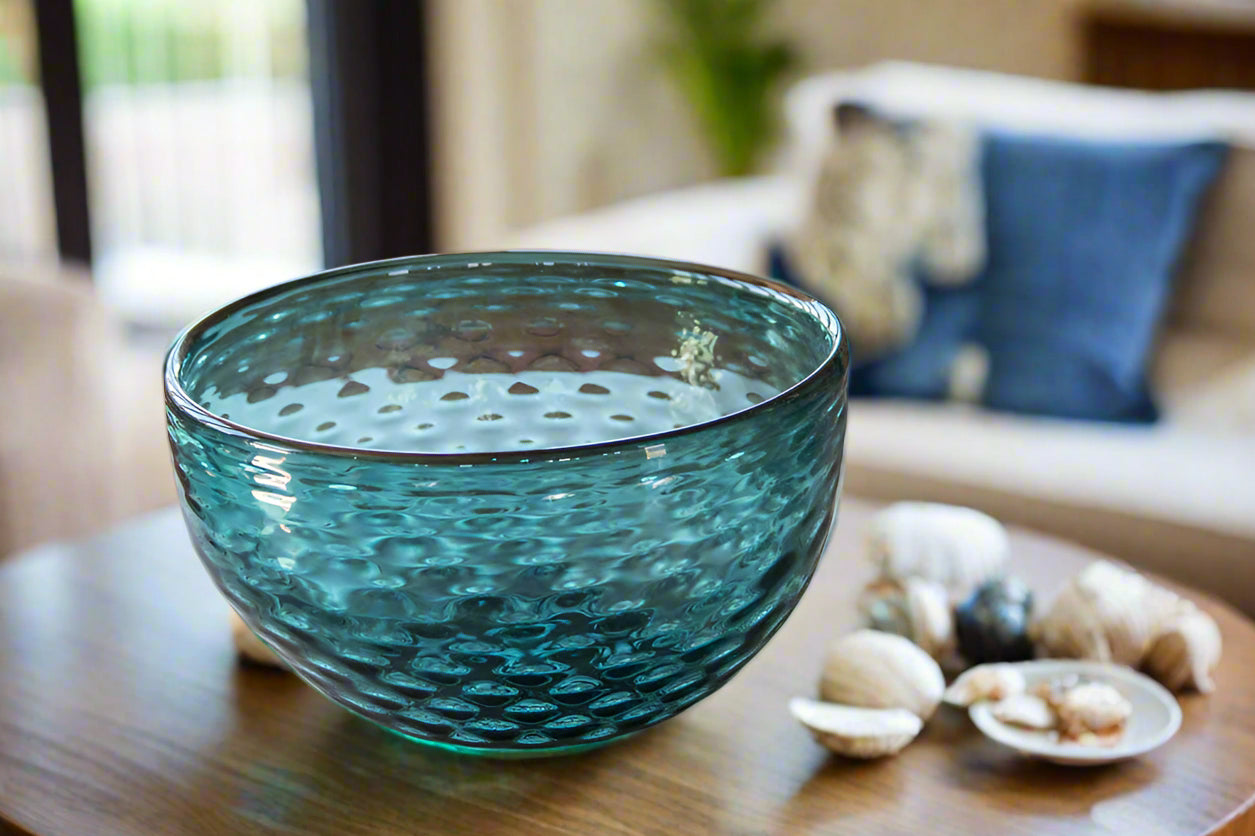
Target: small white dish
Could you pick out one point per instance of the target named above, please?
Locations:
(1155, 719)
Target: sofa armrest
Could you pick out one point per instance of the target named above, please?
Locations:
(724, 223)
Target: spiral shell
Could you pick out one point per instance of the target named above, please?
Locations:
(1106, 612)
(872, 669)
(857, 732)
(956, 547)
(1185, 651)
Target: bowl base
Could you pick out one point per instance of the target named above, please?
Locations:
(501, 754)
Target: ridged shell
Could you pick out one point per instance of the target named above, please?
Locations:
(1106, 612)
(857, 732)
(985, 682)
(954, 546)
(873, 669)
(916, 609)
(1185, 651)
(1092, 707)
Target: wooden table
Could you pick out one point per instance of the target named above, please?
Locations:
(123, 711)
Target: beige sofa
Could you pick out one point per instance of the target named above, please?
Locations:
(82, 441)
(1177, 497)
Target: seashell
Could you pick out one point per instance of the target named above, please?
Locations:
(914, 608)
(985, 682)
(873, 669)
(1027, 711)
(883, 606)
(954, 546)
(992, 625)
(249, 647)
(1052, 690)
(1092, 708)
(1106, 612)
(857, 732)
(1185, 651)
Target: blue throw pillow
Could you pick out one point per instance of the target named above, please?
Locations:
(1083, 238)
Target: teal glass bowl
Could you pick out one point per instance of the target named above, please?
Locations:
(516, 502)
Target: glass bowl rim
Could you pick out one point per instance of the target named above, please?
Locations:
(180, 402)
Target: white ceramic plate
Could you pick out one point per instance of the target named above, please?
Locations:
(1156, 715)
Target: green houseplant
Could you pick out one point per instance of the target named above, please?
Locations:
(716, 55)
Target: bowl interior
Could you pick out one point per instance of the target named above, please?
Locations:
(501, 351)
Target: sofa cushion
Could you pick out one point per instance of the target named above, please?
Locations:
(1191, 475)
(1172, 498)
(1216, 289)
(1206, 381)
(1084, 238)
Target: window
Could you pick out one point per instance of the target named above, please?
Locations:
(211, 148)
(27, 229)
(199, 141)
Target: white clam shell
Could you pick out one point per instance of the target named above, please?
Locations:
(872, 669)
(915, 608)
(1026, 711)
(955, 546)
(995, 682)
(1185, 651)
(249, 647)
(857, 732)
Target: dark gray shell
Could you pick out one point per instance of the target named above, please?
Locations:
(992, 624)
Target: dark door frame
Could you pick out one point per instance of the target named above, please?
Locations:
(63, 106)
(368, 74)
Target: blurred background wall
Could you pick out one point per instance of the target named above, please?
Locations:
(546, 107)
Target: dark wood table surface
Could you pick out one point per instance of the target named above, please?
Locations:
(123, 711)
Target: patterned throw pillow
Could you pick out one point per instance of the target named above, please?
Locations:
(889, 195)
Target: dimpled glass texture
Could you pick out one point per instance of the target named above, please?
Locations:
(512, 503)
